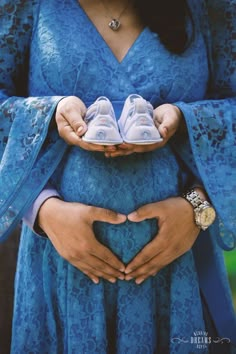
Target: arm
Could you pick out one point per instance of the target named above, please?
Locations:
(177, 232)
(24, 121)
(211, 124)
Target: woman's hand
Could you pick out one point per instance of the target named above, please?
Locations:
(69, 118)
(168, 119)
(69, 226)
(177, 233)
(70, 113)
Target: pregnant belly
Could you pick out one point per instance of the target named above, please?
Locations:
(122, 184)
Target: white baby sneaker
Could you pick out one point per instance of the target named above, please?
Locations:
(102, 125)
(136, 122)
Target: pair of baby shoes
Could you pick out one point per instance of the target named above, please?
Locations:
(135, 125)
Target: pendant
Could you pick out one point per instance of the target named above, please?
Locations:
(114, 24)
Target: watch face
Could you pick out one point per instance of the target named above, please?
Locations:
(207, 216)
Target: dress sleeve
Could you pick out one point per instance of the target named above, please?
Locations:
(30, 218)
(29, 150)
(210, 150)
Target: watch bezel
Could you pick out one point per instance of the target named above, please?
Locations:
(204, 207)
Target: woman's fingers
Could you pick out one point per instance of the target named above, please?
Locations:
(69, 119)
(66, 132)
(168, 119)
(71, 126)
(127, 149)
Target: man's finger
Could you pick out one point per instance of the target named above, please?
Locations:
(108, 262)
(107, 215)
(146, 255)
(100, 268)
(145, 212)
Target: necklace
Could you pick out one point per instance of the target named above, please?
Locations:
(115, 23)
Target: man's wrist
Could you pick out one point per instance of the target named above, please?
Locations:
(204, 213)
(45, 211)
(30, 218)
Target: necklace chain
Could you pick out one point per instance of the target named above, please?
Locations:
(115, 23)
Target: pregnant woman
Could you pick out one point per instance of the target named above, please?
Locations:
(112, 265)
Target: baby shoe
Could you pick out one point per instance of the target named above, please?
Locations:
(136, 122)
(101, 123)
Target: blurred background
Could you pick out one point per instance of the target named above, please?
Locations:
(230, 261)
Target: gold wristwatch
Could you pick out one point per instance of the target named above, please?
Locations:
(204, 212)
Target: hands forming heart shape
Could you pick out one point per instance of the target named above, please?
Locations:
(61, 221)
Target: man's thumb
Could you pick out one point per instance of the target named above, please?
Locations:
(107, 215)
(143, 213)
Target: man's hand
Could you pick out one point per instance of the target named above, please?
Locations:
(69, 226)
(177, 233)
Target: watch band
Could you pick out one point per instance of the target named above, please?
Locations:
(193, 197)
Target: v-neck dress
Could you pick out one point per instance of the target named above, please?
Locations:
(62, 311)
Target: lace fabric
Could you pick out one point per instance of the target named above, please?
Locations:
(62, 311)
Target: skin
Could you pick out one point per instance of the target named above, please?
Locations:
(175, 218)
(177, 233)
(71, 126)
(81, 248)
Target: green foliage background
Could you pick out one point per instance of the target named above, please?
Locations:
(230, 261)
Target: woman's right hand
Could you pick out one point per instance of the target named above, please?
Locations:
(69, 226)
(69, 117)
(168, 120)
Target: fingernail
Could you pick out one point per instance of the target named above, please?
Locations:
(132, 216)
(122, 217)
(165, 132)
(80, 129)
(112, 280)
(139, 281)
(122, 269)
(96, 281)
(128, 277)
(121, 277)
(127, 271)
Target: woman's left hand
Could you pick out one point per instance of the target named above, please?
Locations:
(168, 119)
(176, 235)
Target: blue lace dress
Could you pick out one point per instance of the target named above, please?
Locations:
(57, 308)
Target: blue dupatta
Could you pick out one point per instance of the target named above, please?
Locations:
(29, 151)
